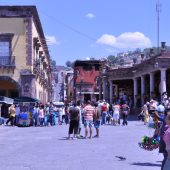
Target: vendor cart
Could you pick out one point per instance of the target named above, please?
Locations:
(26, 106)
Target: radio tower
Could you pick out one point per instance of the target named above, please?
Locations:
(158, 10)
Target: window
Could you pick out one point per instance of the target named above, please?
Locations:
(97, 67)
(87, 67)
(4, 48)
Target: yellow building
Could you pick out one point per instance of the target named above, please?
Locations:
(24, 56)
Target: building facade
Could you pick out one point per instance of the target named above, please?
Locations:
(86, 75)
(69, 85)
(142, 82)
(62, 76)
(24, 56)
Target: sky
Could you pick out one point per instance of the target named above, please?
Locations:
(79, 29)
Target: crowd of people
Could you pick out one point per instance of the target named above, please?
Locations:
(37, 115)
(51, 115)
(95, 114)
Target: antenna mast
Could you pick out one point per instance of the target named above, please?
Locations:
(158, 10)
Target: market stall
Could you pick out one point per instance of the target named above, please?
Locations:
(26, 105)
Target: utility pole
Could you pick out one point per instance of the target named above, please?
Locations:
(158, 10)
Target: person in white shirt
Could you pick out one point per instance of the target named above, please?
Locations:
(116, 113)
(161, 108)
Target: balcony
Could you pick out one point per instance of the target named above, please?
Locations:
(7, 64)
(7, 61)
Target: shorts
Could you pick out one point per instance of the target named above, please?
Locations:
(88, 123)
(74, 124)
(97, 124)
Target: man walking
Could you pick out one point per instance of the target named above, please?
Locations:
(125, 112)
(74, 121)
(89, 112)
(97, 118)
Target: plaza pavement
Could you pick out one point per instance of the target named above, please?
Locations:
(45, 148)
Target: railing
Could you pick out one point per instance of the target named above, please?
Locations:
(7, 60)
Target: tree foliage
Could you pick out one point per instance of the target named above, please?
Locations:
(69, 63)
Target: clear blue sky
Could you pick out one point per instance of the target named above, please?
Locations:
(98, 28)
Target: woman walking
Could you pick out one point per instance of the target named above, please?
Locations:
(12, 114)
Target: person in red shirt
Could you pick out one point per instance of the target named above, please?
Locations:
(104, 109)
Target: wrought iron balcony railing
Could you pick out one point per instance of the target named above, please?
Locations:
(7, 61)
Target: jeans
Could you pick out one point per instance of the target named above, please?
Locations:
(165, 155)
(16, 119)
(53, 119)
(103, 118)
(41, 120)
(46, 120)
(35, 120)
(66, 120)
(125, 119)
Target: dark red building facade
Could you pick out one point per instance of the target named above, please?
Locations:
(86, 75)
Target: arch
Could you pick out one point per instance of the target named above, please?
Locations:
(9, 87)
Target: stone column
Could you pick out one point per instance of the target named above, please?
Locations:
(100, 91)
(151, 84)
(163, 80)
(111, 91)
(104, 88)
(135, 90)
(142, 89)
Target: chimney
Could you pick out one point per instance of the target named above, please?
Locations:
(163, 47)
(163, 44)
(151, 52)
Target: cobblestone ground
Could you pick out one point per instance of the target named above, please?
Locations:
(45, 148)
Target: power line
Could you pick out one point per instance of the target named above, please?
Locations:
(69, 27)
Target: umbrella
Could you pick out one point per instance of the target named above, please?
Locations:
(25, 99)
(6, 100)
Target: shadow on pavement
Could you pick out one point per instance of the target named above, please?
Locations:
(64, 138)
(121, 158)
(146, 164)
(133, 118)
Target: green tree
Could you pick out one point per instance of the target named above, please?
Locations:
(69, 63)
(112, 59)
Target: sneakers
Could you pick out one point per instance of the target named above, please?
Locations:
(95, 136)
